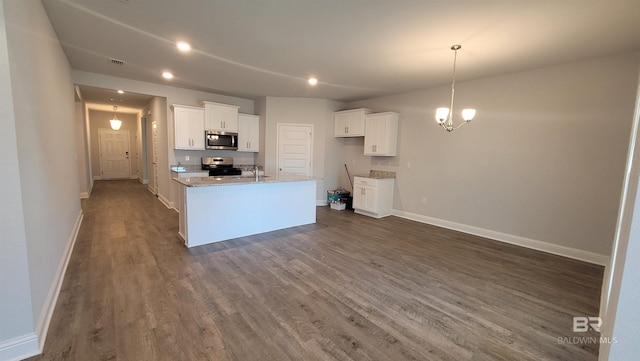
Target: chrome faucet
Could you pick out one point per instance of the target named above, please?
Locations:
(257, 172)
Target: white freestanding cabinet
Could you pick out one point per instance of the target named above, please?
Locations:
(381, 134)
(349, 123)
(373, 197)
(188, 125)
(248, 133)
(220, 117)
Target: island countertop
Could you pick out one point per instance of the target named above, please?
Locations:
(239, 180)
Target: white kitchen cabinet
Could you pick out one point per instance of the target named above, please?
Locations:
(220, 117)
(381, 134)
(349, 123)
(248, 133)
(188, 125)
(373, 197)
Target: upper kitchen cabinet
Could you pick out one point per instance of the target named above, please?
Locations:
(381, 134)
(188, 125)
(350, 123)
(248, 133)
(220, 117)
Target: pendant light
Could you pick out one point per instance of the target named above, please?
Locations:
(115, 122)
(444, 116)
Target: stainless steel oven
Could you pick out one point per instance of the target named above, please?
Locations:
(219, 166)
(214, 139)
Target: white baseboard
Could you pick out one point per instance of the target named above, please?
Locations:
(97, 177)
(321, 202)
(165, 201)
(20, 348)
(559, 250)
(42, 327)
(87, 194)
(32, 344)
(133, 177)
(143, 181)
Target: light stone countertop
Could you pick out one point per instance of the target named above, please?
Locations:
(239, 180)
(378, 174)
(187, 168)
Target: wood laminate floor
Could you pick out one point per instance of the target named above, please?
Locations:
(346, 288)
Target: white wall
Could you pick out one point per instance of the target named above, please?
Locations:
(319, 113)
(16, 315)
(542, 161)
(44, 108)
(164, 117)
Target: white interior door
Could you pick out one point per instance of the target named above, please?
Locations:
(154, 136)
(114, 153)
(295, 144)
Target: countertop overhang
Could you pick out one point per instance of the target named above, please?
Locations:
(239, 180)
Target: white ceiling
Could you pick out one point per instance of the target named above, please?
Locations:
(105, 99)
(356, 48)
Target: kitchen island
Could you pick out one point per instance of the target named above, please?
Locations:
(214, 209)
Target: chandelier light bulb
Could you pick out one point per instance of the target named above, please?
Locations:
(115, 122)
(441, 115)
(468, 114)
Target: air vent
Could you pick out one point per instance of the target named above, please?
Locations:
(116, 61)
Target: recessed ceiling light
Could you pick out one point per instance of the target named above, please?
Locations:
(313, 81)
(167, 75)
(120, 91)
(183, 46)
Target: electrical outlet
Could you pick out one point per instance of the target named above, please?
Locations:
(424, 200)
(186, 158)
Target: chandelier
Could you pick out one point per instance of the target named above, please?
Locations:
(444, 116)
(115, 122)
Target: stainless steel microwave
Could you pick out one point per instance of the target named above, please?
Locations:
(214, 139)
